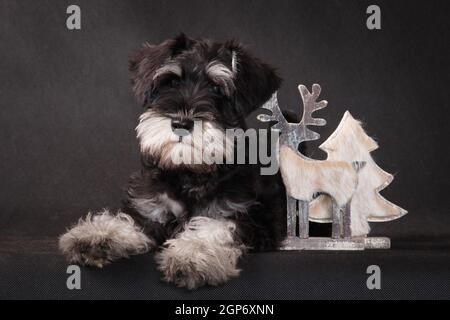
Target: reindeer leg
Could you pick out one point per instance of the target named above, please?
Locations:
(303, 219)
(336, 215)
(291, 215)
(346, 220)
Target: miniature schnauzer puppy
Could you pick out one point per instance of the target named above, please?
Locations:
(198, 216)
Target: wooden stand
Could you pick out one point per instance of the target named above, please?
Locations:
(341, 233)
(351, 244)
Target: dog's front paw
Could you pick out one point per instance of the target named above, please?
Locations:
(194, 258)
(89, 252)
(99, 239)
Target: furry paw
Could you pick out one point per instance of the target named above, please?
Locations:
(196, 258)
(99, 239)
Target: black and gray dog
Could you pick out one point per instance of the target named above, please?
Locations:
(199, 217)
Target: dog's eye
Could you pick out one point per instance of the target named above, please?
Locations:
(150, 96)
(214, 88)
(174, 83)
(167, 82)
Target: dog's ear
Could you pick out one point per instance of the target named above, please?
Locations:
(144, 62)
(255, 80)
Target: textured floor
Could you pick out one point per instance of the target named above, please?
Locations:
(34, 270)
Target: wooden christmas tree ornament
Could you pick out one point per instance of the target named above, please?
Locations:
(349, 142)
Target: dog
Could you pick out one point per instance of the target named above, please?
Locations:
(198, 217)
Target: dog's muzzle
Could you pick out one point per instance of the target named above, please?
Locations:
(182, 127)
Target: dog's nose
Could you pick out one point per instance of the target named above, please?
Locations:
(184, 124)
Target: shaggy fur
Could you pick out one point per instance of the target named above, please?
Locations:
(99, 239)
(202, 212)
(204, 253)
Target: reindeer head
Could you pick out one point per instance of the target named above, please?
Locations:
(293, 134)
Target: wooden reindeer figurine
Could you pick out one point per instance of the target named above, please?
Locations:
(305, 177)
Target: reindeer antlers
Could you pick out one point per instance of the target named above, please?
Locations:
(274, 108)
(295, 133)
(309, 106)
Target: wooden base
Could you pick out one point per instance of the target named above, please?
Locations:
(350, 244)
(377, 243)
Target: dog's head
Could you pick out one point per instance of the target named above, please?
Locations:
(193, 90)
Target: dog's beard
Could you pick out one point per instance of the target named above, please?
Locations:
(205, 147)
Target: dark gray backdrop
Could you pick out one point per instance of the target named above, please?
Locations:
(67, 115)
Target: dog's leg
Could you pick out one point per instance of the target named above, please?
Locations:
(204, 253)
(103, 237)
(159, 215)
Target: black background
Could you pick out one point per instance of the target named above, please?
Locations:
(67, 119)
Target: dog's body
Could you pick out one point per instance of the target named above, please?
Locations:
(204, 214)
